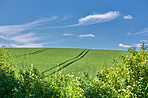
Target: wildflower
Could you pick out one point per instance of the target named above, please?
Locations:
(15, 89)
(128, 86)
(68, 75)
(77, 77)
(124, 90)
(72, 75)
(32, 66)
(97, 80)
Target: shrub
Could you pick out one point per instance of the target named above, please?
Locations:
(31, 85)
(128, 78)
(8, 82)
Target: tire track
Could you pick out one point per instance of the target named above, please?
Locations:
(69, 63)
(31, 53)
(64, 62)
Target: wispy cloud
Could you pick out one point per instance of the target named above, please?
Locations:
(22, 38)
(67, 34)
(139, 45)
(134, 45)
(128, 17)
(92, 19)
(125, 46)
(98, 18)
(25, 38)
(18, 34)
(14, 29)
(129, 33)
(144, 31)
(30, 45)
(33, 45)
(144, 40)
(87, 35)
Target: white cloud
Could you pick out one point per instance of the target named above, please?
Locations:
(144, 31)
(12, 29)
(128, 46)
(134, 45)
(2, 37)
(13, 33)
(92, 19)
(144, 40)
(125, 46)
(98, 18)
(26, 38)
(68, 34)
(15, 29)
(87, 35)
(30, 45)
(128, 17)
(129, 33)
(139, 45)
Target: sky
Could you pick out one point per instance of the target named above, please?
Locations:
(92, 24)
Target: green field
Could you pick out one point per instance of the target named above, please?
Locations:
(69, 61)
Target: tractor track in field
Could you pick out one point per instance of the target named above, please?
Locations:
(64, 62)
(77, 58)
(31, 53)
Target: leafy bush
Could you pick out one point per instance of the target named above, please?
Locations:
(128, 78)
(8, 82)
(31, 85)
(27, 84)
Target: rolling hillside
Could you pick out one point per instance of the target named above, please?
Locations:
(50, 60)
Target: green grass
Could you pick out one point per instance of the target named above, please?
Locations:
(45, 58)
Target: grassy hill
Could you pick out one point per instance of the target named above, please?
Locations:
(49, 60)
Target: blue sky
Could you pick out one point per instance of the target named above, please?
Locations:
(95, 24)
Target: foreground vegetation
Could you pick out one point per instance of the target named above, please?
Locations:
(128, 78)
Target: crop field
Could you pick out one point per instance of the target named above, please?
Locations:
(51, 60)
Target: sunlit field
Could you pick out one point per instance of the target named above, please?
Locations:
(49, 60)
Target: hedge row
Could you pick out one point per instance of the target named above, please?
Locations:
(128, 78)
